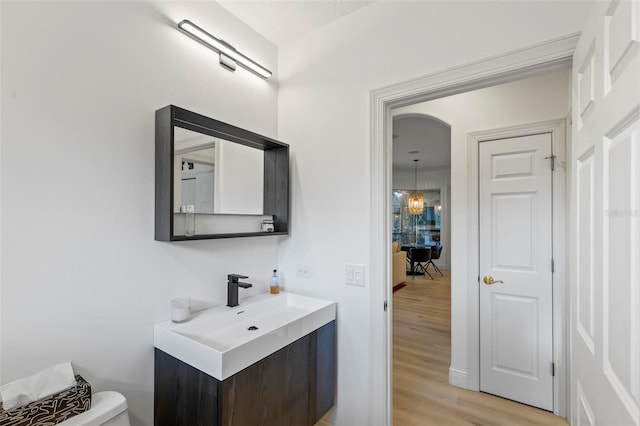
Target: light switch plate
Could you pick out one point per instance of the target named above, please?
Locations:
(354, 274)
(304, 271)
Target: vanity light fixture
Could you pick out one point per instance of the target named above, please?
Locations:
(229, 56)
(415, 203)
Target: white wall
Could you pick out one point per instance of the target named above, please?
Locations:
(239, 179)
(82, 278)
(527, 101)
(325, 82)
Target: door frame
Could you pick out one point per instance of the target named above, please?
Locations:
(560, 282)
(514, 65)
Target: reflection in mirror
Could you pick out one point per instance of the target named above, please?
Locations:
(217, 176)
(239, 179)
(194, 164)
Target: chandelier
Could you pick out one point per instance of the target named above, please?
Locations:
(415, 203)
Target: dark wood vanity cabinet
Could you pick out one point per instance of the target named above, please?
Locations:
(294, 386)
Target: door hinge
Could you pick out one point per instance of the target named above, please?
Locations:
(553, 369)
(553, 161)
(553, 266)
(385, 305)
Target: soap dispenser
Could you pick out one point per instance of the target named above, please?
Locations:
(275, 283)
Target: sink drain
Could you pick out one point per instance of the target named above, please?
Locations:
(253, 327)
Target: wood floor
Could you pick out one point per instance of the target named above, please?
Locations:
(421, 356)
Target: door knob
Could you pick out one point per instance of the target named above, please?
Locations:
(488, 280)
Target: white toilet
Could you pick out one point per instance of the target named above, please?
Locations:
(108, 408)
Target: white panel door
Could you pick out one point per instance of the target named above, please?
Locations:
(516, 316)
(605, 230)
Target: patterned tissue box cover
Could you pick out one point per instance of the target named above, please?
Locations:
(51, 410)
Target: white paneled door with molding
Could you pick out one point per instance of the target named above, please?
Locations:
(516, 282)
(605, 230)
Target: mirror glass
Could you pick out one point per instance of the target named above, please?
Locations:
(216, 176)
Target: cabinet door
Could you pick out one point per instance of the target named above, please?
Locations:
(323, 379)
(184, 396)
(274, 391)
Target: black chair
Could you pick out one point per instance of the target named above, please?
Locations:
(435, 255)
(420, 258)
(408, 250)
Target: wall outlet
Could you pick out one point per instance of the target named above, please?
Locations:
(304, 271)
(354, 274)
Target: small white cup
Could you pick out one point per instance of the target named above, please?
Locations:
(180, 309)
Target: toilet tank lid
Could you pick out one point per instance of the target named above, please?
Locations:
(104, 406)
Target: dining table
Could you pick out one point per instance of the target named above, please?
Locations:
(408, 248)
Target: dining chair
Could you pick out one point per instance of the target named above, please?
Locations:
(408, 250)
(420, 258)
(435, 255)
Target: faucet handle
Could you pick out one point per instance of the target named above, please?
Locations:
(235, 277)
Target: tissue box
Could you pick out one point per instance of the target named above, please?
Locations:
(51, 410)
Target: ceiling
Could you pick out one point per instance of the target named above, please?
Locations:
(281, 21)
(431, 138)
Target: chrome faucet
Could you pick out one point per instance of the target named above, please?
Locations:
(232, 288)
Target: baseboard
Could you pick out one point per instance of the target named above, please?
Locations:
(457, 378)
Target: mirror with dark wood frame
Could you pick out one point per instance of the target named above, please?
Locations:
(228, 181)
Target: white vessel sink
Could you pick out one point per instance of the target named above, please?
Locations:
(221, 341)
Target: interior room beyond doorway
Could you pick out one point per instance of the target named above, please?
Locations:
(543, 97)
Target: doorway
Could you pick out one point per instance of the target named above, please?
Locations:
(422, 164)
(548, 57)
(551, 87)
